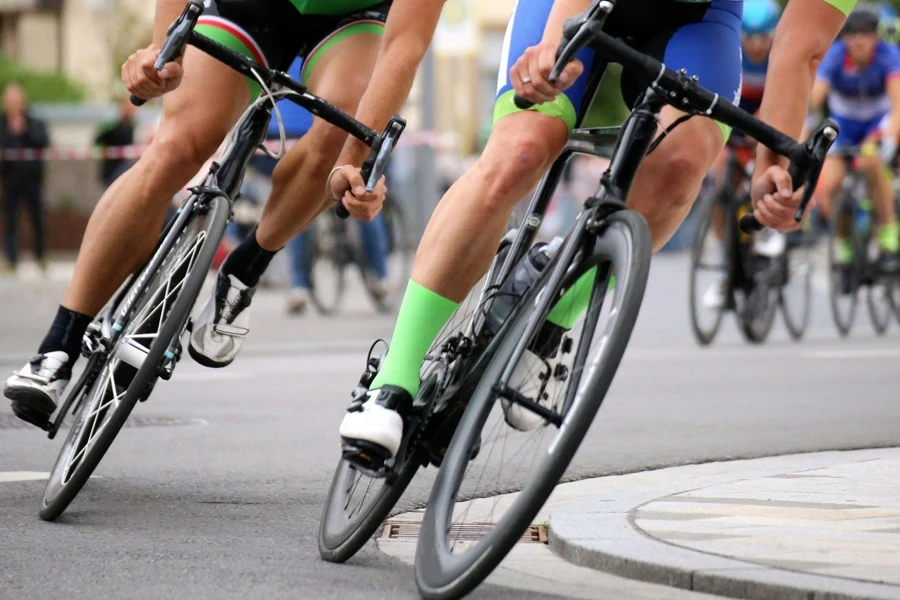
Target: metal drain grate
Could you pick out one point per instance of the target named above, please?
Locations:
(461, 532)
(10, 421)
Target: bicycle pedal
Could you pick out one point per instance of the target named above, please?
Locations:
(366, 457)
(32, 416)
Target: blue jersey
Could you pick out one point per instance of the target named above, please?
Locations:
(859, 93)
(753, 81)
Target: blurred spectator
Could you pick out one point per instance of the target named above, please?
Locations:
(119, 132)
(22, 180)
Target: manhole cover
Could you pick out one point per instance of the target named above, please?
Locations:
(10, 421)
(461, 532)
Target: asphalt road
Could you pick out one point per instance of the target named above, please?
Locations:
(224, 500)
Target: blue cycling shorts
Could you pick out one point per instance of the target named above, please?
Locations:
(854, 133)
(703, 38)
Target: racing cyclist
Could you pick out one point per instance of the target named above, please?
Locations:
(758, 25)
(345, 44)
(465, 230)
(860, 78)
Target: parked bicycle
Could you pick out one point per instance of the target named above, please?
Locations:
(853, 256)
(334, 248)
(136, 339)
(485, 357)
(750, 275)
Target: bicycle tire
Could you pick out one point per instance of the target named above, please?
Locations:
(326, 265)
(797, 323)
(439, 573)
(58, 494)
(758, 311)
(705, 335)
(883, 285)
(843, 217)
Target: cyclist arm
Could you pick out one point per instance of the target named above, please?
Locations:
(892, 129)
(803, 36)
(537, 61)
(138, 73)
(407, 35)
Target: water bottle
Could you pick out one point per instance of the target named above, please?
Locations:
(524, 274)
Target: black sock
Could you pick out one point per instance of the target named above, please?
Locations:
(248, 261)
(65, 334)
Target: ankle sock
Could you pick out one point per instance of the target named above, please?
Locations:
(65, 333)
(889, 237)
(248, 261)
(422, 315)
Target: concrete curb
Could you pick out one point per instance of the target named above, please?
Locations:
(624, 549)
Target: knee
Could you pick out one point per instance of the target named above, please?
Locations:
(677, 178)
(179, 154)
(513, 168)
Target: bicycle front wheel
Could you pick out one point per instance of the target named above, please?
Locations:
(501, 445)
(327, 255)
(114, 382)
(845, 261)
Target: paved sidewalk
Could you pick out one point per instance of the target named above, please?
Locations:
(824, 525)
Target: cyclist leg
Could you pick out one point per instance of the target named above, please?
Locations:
(880, 188)
(464, 231)
(127, 220)
(339, 73)
(338, 69)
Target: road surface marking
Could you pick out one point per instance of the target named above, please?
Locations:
(10, 476)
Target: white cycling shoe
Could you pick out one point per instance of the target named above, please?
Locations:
(534, 379)
(35, 389)
(372, 429)
(223, 323)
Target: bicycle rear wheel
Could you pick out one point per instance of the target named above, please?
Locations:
(761, 297)
(882, 295)
(844, 276)
(710, 268)
(460, 544)
(114, 382)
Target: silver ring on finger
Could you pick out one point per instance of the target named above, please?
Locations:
(526, 79)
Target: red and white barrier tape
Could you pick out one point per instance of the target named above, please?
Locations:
(432, 139)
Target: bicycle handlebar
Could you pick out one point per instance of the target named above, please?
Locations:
(181, 33)
(685, 93)
(177, 37)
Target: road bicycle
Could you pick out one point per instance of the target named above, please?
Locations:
(852, 229)
(334, 248)
(499, 351)
(136, 339)
(732, 271)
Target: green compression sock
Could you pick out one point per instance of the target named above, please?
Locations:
(422, 316)
(844, 251)
(889, 237)
(575, 301)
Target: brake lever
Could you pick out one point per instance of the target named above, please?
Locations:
(376, 163)
(577, 33)
(177, 36)
(816, 149)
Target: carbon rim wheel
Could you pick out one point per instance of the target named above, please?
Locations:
(130, 370)
(844, 276)
(880, 295)
(357, 502)
(709, 272)
(327, 262)
(487, 456)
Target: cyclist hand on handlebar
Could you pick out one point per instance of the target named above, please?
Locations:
(775, 200)
(143, 80)
(531, 73)
(347, 184)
